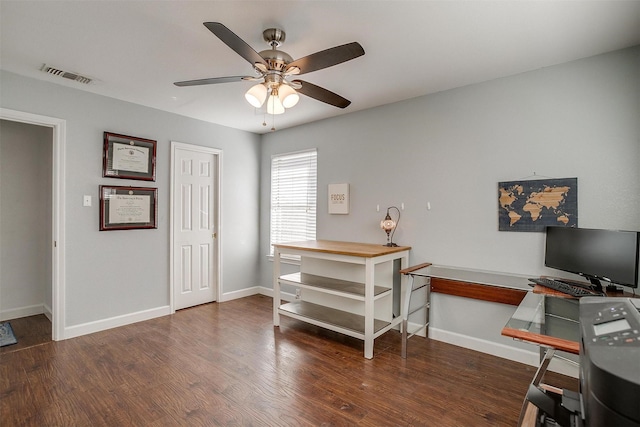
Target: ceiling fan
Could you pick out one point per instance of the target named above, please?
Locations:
(276, 68)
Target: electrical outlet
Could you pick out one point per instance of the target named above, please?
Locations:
(298, 293)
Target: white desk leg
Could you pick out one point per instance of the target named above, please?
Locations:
(276, 286)
(368, 308)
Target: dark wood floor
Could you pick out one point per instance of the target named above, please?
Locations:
(29, 331)
(225, 364)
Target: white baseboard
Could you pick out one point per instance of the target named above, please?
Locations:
(527, 357)
(114, 322)
(16, 313)
(283, 295)
(47, 311)
(256, 290)
(230, 296)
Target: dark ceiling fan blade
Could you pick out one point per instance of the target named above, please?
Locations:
(213, 80)
(328, 58)
(241, 47)
(322, 94)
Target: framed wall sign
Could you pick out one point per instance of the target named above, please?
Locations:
(126, 208)
(339, 199)
(128, 157)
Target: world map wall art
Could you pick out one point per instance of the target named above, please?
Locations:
(532, 205)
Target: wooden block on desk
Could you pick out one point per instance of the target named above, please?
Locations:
(538, 289)
(530, 416)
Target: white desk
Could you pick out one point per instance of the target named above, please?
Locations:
(362, 287)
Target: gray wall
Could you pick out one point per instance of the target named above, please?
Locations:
(580, 119)
(25, 219)
(114, 273)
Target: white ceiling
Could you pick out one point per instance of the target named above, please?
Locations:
(135, 50)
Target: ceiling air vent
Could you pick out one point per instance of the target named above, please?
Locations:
(66, 74)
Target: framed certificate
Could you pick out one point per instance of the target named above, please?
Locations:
(126, 208)
(128, 157)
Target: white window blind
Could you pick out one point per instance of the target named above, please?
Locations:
(293, 197)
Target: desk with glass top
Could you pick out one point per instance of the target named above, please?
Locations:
(546, 320)
(550, 321)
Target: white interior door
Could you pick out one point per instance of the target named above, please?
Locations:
(194, 225)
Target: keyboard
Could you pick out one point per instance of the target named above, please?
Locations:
(574, 291)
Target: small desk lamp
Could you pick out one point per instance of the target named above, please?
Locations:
(389, 226)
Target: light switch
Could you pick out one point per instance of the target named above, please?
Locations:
(86, 201)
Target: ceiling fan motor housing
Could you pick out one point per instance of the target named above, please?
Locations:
(277, 59)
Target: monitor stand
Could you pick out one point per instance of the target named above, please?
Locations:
(597, 286)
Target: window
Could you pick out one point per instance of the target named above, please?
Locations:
(293, 197)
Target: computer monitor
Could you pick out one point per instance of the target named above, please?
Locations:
(609, 255)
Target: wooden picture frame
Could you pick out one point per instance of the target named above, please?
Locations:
(128, 157)
(127, 208)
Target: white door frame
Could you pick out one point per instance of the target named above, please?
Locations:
(217, 215)
(58, 215)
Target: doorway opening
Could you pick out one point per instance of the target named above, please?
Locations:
(52, 189)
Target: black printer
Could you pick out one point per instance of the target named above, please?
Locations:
(609, 370)
(610, 361)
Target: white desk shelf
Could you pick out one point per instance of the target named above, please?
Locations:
(363, 303)
(343, 288)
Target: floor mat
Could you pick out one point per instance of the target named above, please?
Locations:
(7, 337)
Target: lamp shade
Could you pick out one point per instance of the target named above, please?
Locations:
(288, 96)
(274, 106)
(387, 224)
(256, 95)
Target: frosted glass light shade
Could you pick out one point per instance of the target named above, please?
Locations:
(387, 224)
(256, 95)
(274, 106)
(288, 96)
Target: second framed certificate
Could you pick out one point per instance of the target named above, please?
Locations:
(128, 157)
(126, 208)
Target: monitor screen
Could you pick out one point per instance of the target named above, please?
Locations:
(608, 255)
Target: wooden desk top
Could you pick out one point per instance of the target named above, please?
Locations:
(537, 289)
(543, 340)
(366, 250)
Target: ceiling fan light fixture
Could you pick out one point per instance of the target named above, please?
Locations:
(256, 95)
(274, 106)
(288, 96)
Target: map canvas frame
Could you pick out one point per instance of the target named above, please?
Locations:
(533, 205)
